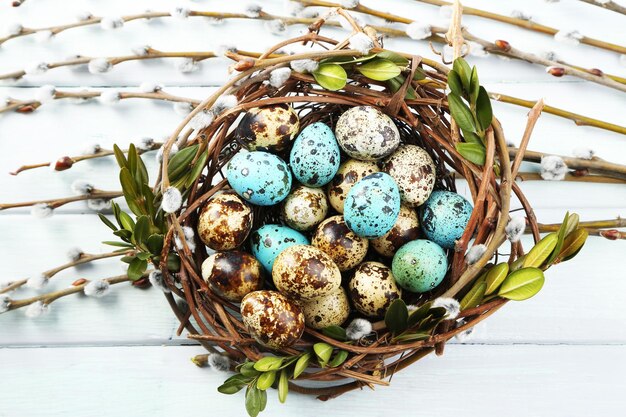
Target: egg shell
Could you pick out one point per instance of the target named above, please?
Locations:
(271, 239)
(232, 274)
(414, 171)
(366, 133)
(259, 177)
(349, 173)
(272, 319)
(304, 272)
(330, 310)
(419, 266)
(345, 248)
(304, 208)
(225, 221)
(315, 156)
(372, 206)
(404, 230)
(372, 289)
(444, 217)
(270, 128)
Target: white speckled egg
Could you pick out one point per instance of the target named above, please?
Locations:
(270, 128)
(344, 247)
(366, 133)
(349, 173)
(373, 289)
(304, 208)
(330, 310)
(414, 171)
(225, 221)
(272, 319)
(405, 230)
(304, 272)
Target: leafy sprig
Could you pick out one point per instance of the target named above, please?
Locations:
(413, 326)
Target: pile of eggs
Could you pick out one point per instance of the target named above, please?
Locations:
(360, 222)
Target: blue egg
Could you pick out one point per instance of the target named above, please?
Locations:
(270, 240)
(419, 266)
(259, 177)
(314, 157)
(444, 216)
(372, 206)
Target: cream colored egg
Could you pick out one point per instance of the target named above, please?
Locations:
(330, 310)
(344, 247)
(414, 171)
(366, 133)
(373, 289)
(349, 173)
(304, 208)
(405, 230)
(225, 221)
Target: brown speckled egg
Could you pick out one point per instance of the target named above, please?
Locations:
(373, 289)
(332, 309)
(304, 208)
(303, 272)
(343, 246)
(272, 319)
(349, 173)
(366, 133)
(225, 221)
(232, 274)
(405, 230)
(270, 128)
(414, 171)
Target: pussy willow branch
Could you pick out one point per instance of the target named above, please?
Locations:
(602, 228)
(58, 202)
(609, 5)
(83, 259)
(526, 24)
(601, 179)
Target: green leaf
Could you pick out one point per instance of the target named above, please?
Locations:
(301, 365)
(120, 157)
(573, 244)
(395, 84)
(419, 74)
(396, 317)
(461, 113)
(126, 221)
(283, 386)
(394, 57)
(347, 60)
(411, 337)
(197, 169)
(323, 352)
(262, 399)
(331, 76)
(265, 380)
(230, 388)
(517, 264)
(336, 332)
(144, 256)
(118, 244)
(268, 363)
(540, 252)
(522, 284)
(572, 223)
(484, 113)
(474, 87)
(253, 401)
(473, 152)
(474, 296)
(108, 222)
(463, 69)
(247, 369)
(154, 243)
(495, 277)
(124, 234)
(136, 269)
(339, 358)
(472, 138)
(179, 163)
(173, 262)
(417, 315)
(379, 69)
(128, 184)
(141, 230)
(455, 84)
(560, 238)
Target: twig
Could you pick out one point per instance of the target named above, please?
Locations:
(602, 179)
(609, 5)
(58, 202)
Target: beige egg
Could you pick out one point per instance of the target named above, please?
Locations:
(348, 174)
(332, 309)
(343, 246)
(373, 289)
(272, 319)
(304, 208)
(232, 274)
(270, 128)
(414, 171)
(225, 221)
(303, 272)
(405, 230)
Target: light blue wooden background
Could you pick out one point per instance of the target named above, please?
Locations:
(559, 354)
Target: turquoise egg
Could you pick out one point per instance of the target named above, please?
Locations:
(372, 206)
(419, 266)
(444, 216)
(270, 240)
(259, 177)
(314, 157)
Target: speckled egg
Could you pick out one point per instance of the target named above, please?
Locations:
(259, 177)
(232, 274)
(444, 217)
(270, 240)
(225, 221)
(270, 128)
(414, 171)
(366, 133)
(372, 206)
(304, 272)
(419, 266)
(304, 208)
(373, 289)
(272, 319)
(314, 157)
(330, 310)
(345, 248)
(405, 230)
(348, 174)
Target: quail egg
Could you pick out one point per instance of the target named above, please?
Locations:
(331, 310)
(270, 128)
(414, 171)
(270, 240)
(349, 173)
(315, 157)
(344, 247)
(232, 274)
(444, 217)
(224, 221)
(373, 289)
(366, 133)
(304, 208)
(405, 230)
(419, 265)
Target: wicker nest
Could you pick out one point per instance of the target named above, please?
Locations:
(425, 121)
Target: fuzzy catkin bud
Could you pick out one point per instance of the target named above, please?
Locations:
(475, 253)
(97, 288)
(172, 200)
(218, 362)
(361, 42)
(358, 329)
(36, 309)
(452, 306)
(515, 228)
